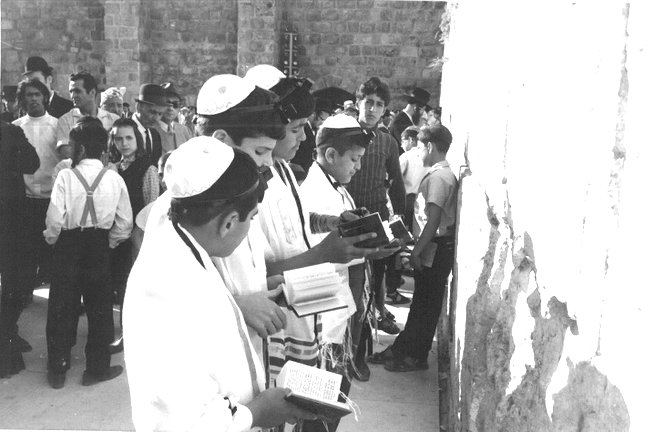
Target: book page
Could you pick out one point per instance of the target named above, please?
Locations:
(310, 381)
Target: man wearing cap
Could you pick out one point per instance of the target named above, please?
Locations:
(410, 115)
(214, 193)
(150, 106)
(83, 90)
(36, 67)
(40, 129)
(172, 133)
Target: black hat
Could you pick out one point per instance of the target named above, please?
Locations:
(37, 64)
(152, 94)
(419, 96)
(9, 92)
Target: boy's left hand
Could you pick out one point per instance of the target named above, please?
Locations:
(416, 262)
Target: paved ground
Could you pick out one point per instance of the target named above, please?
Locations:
(389, 402)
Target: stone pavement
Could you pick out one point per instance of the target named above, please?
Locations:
(388, 402)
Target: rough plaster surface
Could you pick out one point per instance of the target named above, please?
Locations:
(559, 292)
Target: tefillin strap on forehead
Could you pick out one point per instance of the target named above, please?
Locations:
(366, 135)
(292, 102)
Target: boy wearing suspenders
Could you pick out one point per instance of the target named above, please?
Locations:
(89, 213)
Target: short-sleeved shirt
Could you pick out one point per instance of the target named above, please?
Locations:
(438, 187)
(66, 123)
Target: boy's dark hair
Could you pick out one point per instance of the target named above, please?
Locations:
(295, 98)
(35, 83)
(89, 138)
(438, 135)
(242, 175)
(240, 124)
(115, 155)
(410, 132)
(374, 86)
(89, 81)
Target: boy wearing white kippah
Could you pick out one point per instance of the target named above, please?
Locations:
(214, 192)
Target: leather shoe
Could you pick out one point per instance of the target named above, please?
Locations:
(56, 380)
(117, 346)
(90, 378)
(382, 357)
(361, 370)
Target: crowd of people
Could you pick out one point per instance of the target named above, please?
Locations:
(188, 217)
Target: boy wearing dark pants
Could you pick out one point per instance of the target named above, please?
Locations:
(432, 256)
(88, 213)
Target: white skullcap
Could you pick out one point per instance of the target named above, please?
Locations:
(264, 76)
(340, 121)
(221, 93)
(342, 126)
(196, 165)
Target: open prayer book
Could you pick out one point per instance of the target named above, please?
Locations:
(388, 233)
(314, 289)
(312, 389)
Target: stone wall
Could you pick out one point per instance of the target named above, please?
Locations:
(559, 288)
(69, 34)
(344, 42)
(128, 42)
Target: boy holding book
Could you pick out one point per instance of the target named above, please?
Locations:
(432, 257)
(214, 191)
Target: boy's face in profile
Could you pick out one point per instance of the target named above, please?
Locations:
(259, 149)
(343, 167)
(408, 143)
(287, 147)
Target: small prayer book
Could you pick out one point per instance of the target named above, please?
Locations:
(315, 390)
(388, 233)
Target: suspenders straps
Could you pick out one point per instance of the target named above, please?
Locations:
(89, 190)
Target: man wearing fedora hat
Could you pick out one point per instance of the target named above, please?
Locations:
(36, 67)
(150, 106)
(410, 115)
(172, 133)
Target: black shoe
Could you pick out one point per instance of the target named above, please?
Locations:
(21, 344)
(397, 298)
(117, 346)
(382, 357)
(56, 380)
(90, 378)
(388, 326)
(406, 364)
(360, 371)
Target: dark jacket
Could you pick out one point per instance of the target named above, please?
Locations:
(397, 126)
(58, 106)
(17, 157)
(305, 154)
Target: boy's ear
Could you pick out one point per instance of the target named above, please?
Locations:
(330, 155)
(223, 136)
(227, 223)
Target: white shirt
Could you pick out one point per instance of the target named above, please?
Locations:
(67, 122)
(68, 199)
(413, 170)
(41, 132)
(177, 389)
(323, 198)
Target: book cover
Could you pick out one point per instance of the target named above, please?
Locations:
(313, 389)
(366, 224)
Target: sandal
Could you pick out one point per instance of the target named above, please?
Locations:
(388, 326)
(406, 364)
(381, 357)
(398, 298)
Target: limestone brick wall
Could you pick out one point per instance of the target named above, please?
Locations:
(344, 42)
(188, 41)
(69, 34)
(559, 288)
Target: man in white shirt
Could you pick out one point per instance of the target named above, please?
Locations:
(83, 90)
(214, 192)
(40, 129)
(36, 67)
(413, 170)
(89, 214)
